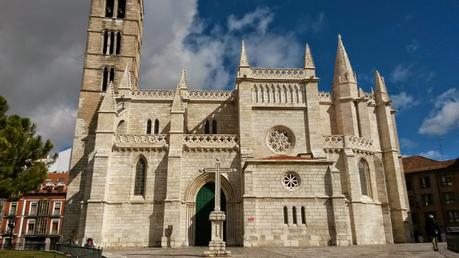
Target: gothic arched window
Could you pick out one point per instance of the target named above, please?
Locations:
(207, 127)
(149, 126)
(294, 215)
(110, 5)
(156, 127)
(118, 43)
(108, 76)
(105, 79)
(364, 173)
(121, 9)
(140, 173)
(285, 215)
(121, 128)
(214, 126)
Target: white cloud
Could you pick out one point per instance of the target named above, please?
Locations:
(260, 19)
(432, 154)
(407, 143)
(403, 101)
(401, 73)
(203, 55)
(445, 115)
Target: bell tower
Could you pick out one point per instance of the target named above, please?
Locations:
(114, 40)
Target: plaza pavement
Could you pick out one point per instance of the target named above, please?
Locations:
(375, 251)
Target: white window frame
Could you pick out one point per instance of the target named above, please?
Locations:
(11, 207)
(58, 226)
(54, 207)
(34, 223)
(30, 208)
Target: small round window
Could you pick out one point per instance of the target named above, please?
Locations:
(291, 180)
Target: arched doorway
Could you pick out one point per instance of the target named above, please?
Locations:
(205, 202)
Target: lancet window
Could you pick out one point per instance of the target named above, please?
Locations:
(112, 43)
(211, 126)
(149, 126)
(364, 174)
(108, 77)
(156, 131)
(140, 174)
(115, 9)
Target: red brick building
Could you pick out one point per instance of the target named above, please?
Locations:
(433, 188)
(37, 215)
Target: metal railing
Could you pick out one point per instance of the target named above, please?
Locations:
(78, 251)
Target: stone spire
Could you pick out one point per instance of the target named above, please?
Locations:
(380, 87)
(108, 101)
(308, 60)
(177, 103)
(125, 82)
(183, 85)
(244, 60)
(343, 69)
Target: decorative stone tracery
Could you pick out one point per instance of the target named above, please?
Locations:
(291, 180)
(280, 139)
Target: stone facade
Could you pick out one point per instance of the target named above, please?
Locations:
(308, 168)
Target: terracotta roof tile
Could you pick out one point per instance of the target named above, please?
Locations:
(418, 164)
(286, 157)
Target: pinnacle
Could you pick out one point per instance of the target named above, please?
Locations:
(244, 60)
(126, 79)
(183, 80)
(308, 60)
(343, 68)
(380, 85)
(108, 101)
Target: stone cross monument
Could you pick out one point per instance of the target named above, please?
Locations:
(217, 247)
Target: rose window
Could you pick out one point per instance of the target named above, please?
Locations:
(291, 180)
(280, 140)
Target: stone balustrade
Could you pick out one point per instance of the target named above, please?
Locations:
(347, 141)
(279, 73)
(211, 141)
(325, 96)
(153, 141)
(210, 95)
(153, 94)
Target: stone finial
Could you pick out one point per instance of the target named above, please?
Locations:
(244, 60)
(308, 60)
(183, 81)
(380, 87)
(361, 93)
(125, 82)
(380, 84)
(177, 103)
(343, 69)
(108, 101)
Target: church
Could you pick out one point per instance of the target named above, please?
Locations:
(299, 166)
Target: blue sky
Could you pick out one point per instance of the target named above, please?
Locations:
(414, 44)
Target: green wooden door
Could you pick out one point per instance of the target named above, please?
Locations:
(205, 203)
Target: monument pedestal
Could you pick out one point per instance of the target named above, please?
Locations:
(217, 247)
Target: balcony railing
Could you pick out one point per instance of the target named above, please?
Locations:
(211, 141)
(347, 141)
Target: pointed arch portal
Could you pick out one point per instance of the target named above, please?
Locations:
(200, 200)
(205, 203)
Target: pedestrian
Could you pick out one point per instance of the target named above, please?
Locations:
(89, 243)
(432, 231)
